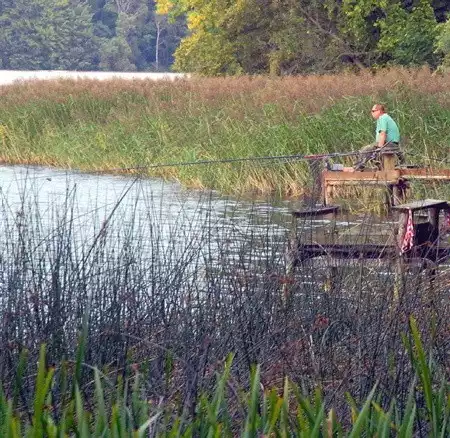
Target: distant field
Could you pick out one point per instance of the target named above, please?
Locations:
(10, 76)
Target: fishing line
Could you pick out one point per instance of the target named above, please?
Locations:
(282, 158)
(237, 160)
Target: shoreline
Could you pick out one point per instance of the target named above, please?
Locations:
(8, 77)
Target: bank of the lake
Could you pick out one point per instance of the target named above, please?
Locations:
(108, 125)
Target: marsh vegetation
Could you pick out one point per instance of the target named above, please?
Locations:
(157, 314)
(108, 126)
(138, 318)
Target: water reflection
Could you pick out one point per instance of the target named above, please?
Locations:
(144, 206)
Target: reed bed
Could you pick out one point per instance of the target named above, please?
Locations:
(125, 302)
(108, 126)
(263, 412)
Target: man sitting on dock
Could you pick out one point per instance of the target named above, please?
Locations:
(387, 137)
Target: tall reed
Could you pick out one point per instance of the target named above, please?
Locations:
(224, 412)
(172, 300)
(119, 124)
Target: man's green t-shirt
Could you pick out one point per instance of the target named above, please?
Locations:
(386, 123)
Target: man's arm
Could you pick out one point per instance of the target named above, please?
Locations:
(381, 138)
(382, 127)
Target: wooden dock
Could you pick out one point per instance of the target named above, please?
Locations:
(424, 240)
(394, 178)
(412, 248)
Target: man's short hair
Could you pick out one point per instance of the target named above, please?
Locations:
(381, 107)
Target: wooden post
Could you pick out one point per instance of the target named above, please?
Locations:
(433, 219)
(332, 273)
(332, 270)
(329, 192)
(316, 168)
(402, 223)
(388, 160)
(395, 195)
(390, 197)
(398, 194)
(291, 257)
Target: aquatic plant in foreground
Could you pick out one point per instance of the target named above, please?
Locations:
(226, 411)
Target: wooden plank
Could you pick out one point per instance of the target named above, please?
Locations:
(388, 159)
(425, 173)
(360, 183)
(320, 211)
(347, 250)
(381, 176)
(365, 251)
(388, 176)
(422, 205)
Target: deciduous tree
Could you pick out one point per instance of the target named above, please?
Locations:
(46, 34)
(297, 36)
(443, 43)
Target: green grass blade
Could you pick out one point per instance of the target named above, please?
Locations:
(101, 420)
(409, 413)
(362, 418)
(315, 432)
(307, 410)
(18, 381)
(275, 410)
(43, 383)
(81, 348)
(82, 421)
(143, 429)
(424, 373)
(284, 414)
(252, 415)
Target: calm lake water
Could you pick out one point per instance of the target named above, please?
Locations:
(148, 207)
(45, 201)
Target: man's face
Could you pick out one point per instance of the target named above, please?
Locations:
(375, 112)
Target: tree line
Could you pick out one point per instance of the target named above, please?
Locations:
(223, 37)
(303, 36)
(116, 35)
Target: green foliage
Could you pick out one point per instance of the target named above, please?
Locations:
(134, 37)
(289, 414)
(46, 34)
(256, 36)
(116, 55)
(408, 38)
(443, 42)
(208, 50)
(225, 37)
(209, 55)
(357, 19)
(288, 36)
(74, 35)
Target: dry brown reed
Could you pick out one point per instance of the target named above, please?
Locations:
(313, 91)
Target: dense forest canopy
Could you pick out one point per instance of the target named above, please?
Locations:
(216, 37)
(117, 35)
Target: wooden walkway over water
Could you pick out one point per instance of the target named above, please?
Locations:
(394, 178)
(411, 238)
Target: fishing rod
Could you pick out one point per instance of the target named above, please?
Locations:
(240, 160)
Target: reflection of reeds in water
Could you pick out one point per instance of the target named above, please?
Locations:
(175, 304)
